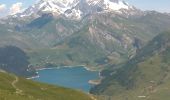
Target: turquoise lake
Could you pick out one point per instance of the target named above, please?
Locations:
(71, 77)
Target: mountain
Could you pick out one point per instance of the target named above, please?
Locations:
(99, 34)
(102, 36)
(15, 88)
(146, 76)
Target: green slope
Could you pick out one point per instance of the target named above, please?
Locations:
(15, 88)
(145, 77)
(15, 60)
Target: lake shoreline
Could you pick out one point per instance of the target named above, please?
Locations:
(91, 82)
(87, 68)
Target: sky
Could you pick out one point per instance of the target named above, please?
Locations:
(158, 5)
(13, 6)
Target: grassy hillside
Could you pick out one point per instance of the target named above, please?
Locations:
(146, 76)
(15, 88)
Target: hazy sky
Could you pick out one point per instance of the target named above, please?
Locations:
(13, 6)
(159, 5)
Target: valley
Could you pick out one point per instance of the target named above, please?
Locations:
(84, 50)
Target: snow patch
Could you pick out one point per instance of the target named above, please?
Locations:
(115, 5)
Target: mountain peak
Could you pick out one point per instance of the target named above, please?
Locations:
(74, 8)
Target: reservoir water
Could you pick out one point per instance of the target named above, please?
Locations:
(71, 77)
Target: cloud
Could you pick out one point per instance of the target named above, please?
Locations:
(16, 8)
(2, 7)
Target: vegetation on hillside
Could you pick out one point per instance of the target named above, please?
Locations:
(146, 76)
(15, 60)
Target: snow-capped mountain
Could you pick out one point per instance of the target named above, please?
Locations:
(74, 8)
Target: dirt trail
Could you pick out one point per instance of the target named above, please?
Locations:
(92, 97)
(18, 91)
